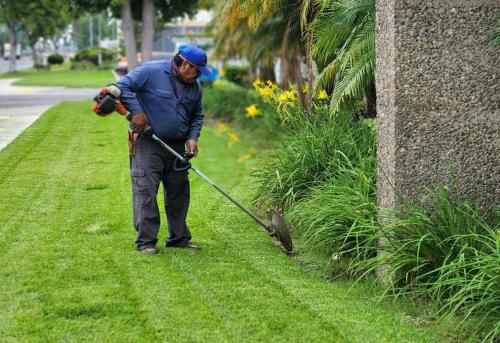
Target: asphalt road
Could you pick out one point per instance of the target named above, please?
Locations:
(20, 106)
(23, 63)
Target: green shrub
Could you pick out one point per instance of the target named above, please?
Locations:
(55, 59)
(85, 65)
(314, 151)
(237, 74)
(447, 252)
(41, 66)
(227, 101)
(323, 176)
(339, 216)
(224, 100)
(91, 55)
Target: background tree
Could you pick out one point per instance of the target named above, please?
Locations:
(159, 12)
(282, 27)
(11, 13)
(344, 42)
(44, 19)
(79, 8)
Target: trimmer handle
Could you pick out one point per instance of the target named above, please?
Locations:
(183, 165)
(179, 165)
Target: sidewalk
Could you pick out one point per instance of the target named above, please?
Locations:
(20, 106)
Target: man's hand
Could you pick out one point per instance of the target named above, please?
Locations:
(192, 147)
(139, 121)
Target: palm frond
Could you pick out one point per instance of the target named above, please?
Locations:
(345, 43)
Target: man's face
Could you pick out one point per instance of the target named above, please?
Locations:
(188, 71)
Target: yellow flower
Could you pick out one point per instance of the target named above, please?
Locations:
(250, 153)
(252, 111)
(218, 83)
(287, 96)
(232, 136)
(322, 95)
(221, 127)
(257, 84)
(305, 88)
(265, 91)
(243, 158)
(271, 85)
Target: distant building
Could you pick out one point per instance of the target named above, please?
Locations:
(183, 31)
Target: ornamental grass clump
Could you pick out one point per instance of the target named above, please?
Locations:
(340, 216)
(446, 252)
(315, 149)
(312, 146)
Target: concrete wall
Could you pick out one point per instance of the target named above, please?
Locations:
(438, 93)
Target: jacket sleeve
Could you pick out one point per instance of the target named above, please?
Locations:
(196, 121)
(133, 82)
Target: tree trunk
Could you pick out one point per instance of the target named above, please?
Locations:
(297, 76)
(284, 69)
(74, 32)
(310, 74)
(148, 29)
(55, 40)
(33, 53)
(129, 35)
(371, 100)
(266, 70)
(13, 45)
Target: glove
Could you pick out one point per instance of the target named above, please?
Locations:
(192, 147)
(138, 122)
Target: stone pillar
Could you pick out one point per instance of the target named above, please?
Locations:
(438, 98)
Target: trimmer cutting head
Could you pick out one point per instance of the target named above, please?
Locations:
(280, 231)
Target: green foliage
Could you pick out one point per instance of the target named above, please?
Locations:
(227, 101)
(447, 251)
(260, 31)
(311, 153)
(339, 215)
(55, 59)
(91, 55)
(73, 274)
(344, 41)
(60, 76)
(45, 18)
(86, 65)
(82, 27)
(165, 10)
(224, 100)
(238, 74)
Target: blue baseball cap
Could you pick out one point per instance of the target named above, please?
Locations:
(196, 56)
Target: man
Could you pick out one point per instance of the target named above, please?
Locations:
(166, 96)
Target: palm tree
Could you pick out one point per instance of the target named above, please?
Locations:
(276, 32)
(344, 43)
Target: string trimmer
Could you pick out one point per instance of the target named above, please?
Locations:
(107, 101)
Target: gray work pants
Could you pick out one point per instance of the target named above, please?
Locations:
(150, 165)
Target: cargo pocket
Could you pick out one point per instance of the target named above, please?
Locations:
(139, 182)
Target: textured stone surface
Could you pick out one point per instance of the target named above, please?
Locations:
(438, 98)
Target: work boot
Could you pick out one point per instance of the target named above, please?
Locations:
(147, 250)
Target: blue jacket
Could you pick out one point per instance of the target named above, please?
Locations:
(172, 116)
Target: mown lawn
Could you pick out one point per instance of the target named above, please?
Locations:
(69, 271)
(62, 76)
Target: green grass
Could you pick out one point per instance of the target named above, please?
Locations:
(69, 271)
(62, 76)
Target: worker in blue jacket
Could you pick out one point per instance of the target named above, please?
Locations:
(166, 96)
